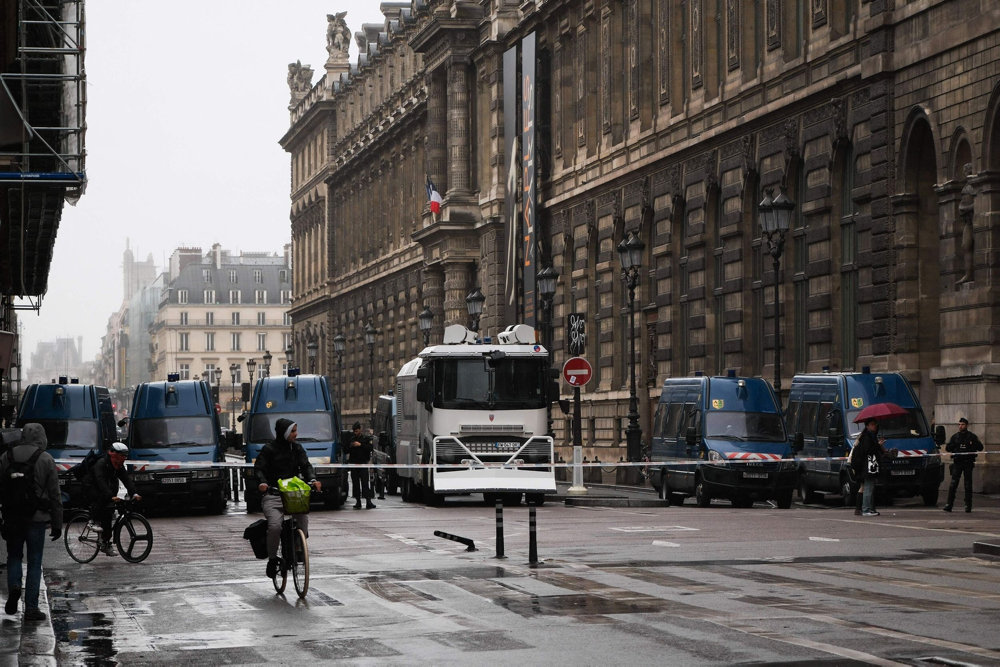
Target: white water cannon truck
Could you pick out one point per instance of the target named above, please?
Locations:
(475, 414)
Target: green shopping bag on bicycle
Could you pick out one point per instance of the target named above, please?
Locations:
(294, 495)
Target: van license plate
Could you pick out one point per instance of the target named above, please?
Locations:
(754, 475)
(904, 472)
(173, 480)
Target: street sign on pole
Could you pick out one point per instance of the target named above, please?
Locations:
(577, 371)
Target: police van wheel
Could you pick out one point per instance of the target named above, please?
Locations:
(784, 499)
(806, 494)
(930, 496)
(701, 496)
(849, 493)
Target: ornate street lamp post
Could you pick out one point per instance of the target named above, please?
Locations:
(312, 348)
(426, 320)
(474, 302)
(339, 343)
(233, 370)
(290, 358)
(251, 367)
(547, 279)
(630, 254)
(370, 333)
(267, 363)
(775, 219)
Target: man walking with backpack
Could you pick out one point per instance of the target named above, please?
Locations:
(29, 491)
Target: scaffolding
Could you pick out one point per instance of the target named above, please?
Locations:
(42, 131)
(46, 89)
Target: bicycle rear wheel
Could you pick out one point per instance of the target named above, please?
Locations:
(300, 562)
(133, 537)
(280, 577)
(81, 541)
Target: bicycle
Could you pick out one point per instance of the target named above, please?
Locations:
(294, 550)
(132, 534)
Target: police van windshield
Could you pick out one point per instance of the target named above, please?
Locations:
(910, 425)
(755, 426)
(312, 426)
(70, 434)
(172, 432)
(509, 383)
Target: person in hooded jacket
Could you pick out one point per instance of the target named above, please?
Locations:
(32, 532)
(281, 458)
(867, 457)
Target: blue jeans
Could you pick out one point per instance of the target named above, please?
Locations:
(868, 495)
(34, 536)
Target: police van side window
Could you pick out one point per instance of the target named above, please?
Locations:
(658, 417)
(807, 419)
(673, 422)
(792, 416)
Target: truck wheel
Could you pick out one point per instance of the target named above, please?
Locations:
(663, 492)
(218, 504)
(806, 494)
(784, 499)
(849, 492)
(538, 499)
(701, 496)
(742, 501)
(252, 500)
(930, 496)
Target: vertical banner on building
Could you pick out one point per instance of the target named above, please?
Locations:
(528, 186)
(512, 154)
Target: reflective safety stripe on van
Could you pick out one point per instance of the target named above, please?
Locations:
(753, 456)
(912, 452)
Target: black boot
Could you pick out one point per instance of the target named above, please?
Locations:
(357, 505)
(947, 508)
(370, 505)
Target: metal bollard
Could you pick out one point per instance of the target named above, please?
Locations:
(500, 529)
(532, 537)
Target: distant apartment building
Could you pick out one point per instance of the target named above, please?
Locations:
(217, 311)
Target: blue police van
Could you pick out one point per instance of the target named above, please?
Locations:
(307, 401)
(820, 418)
(177, 421)
(77, 418)
(723, 437)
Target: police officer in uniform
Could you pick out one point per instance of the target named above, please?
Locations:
(963, 446)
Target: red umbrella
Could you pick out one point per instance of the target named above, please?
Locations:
(880, 411)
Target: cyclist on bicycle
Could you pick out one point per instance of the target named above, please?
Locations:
(282, 458)
(102, 484)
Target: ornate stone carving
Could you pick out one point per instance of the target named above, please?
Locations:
(338, 36)
(733, 34)
(773, 24)
(634, 48)
(664, 50)
(966, 208)
(818, 13)
(696, 44)
(299, 78)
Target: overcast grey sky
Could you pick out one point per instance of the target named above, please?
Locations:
(186, 103)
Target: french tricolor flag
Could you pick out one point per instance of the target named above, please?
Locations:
(433, 196)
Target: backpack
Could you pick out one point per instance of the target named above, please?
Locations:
(81, 469)
(18, 489)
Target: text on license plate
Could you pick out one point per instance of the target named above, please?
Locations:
(173, 480)
(904, 472)
(754, 475)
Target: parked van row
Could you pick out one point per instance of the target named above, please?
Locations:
(730, 439)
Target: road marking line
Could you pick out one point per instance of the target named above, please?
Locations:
(653, 529)
(661, 543)
(824, 539)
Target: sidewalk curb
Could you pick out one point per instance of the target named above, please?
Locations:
(37, 641)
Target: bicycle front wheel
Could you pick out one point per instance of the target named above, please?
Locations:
(300, 563)
(81, 541)
(133, 537)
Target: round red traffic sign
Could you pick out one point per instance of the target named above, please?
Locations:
(577, 371)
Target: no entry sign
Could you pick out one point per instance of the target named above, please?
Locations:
(577, 371)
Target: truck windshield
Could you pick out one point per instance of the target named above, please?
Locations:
(756, 426)
(172, 432)
(313, 426)
(910, 425)
(70, 434)
(510, 384)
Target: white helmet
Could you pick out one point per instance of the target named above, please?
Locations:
(119, 448)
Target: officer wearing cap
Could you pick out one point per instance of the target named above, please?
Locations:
(359, 451)
(963, 447)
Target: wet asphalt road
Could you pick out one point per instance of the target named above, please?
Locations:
(615, 585)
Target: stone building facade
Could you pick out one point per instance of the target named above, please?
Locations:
(879, 119)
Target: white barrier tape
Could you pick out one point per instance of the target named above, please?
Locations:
(139, 466)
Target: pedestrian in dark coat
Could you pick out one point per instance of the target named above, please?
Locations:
(963, 446)
(867, 457)
(31, 532)
(359, 451)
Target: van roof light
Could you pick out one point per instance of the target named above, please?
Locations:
(866, 369)
(173, 377)
(74, 380)
(698, 374)
(826, 369)
(63, 379)
(731, 373)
